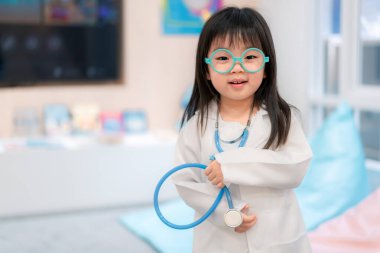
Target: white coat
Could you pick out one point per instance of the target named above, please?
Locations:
(262, 178)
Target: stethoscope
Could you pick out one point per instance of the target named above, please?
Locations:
(232, 217)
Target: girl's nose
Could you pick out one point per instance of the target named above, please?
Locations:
(237, 68)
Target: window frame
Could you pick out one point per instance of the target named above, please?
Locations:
(350, 88)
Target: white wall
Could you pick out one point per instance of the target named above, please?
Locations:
(293, 27)
(157, 84)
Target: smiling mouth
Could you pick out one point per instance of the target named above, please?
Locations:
(237, 82)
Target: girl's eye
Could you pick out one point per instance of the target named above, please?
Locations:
(222, 58)
(250, 57)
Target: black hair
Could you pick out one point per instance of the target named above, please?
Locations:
(248, 26)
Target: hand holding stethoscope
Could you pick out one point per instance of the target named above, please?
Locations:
(215, 176)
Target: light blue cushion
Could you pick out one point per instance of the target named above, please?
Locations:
(337, 178)
(145, 224)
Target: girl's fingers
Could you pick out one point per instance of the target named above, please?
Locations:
(245, 209)
(214, 177)
(209, 169)
(216, 181)
(248, 220)
(253, 222)
(246, 226)
(209, 172)
(211, 177)
(242, 229)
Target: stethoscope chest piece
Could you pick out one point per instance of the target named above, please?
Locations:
(233, 218)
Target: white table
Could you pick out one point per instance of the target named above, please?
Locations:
(34, 181)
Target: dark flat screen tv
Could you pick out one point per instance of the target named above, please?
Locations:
(59, 41)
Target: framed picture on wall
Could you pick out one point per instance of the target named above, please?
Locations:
(135, 121)
(187, 16)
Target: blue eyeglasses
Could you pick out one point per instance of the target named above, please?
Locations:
(223, 61)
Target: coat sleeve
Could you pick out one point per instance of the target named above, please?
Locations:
(196, 193)
(282, 169)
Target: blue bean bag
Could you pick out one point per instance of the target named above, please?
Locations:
(337, 178)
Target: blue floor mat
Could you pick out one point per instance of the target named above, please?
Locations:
(146, 224)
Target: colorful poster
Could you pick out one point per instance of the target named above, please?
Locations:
(187, 16)
(20, 11)
(70, 12)
(80, 12)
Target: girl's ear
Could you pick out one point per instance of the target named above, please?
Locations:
(208, 76)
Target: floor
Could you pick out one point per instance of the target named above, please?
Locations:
(95, 231)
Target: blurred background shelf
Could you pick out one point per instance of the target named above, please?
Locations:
(43, 180)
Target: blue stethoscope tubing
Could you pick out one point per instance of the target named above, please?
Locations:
(223, 191)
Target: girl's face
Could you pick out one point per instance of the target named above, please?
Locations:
(236, 84)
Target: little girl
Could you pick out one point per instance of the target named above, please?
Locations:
(235, 96)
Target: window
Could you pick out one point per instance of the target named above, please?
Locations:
(348, 67)
(370, 42)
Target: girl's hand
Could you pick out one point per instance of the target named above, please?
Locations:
(214, 174)
(248, 221)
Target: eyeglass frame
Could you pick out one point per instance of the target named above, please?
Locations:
(239, 59)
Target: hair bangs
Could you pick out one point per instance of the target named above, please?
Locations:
(237, 31)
